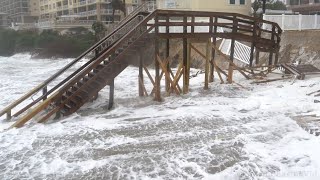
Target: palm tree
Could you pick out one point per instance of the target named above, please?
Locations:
(118, 5)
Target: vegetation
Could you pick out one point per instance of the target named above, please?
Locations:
(7, 42)
(47, 44)
(276, 5)
(273, 5)
(99, 29)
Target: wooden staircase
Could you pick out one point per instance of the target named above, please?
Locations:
(110, 59)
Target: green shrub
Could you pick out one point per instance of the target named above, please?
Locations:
(48, 43)
(7, 42)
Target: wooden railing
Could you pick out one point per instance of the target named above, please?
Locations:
(237, 26)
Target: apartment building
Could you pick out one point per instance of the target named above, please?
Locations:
(305, 6)
(20, 11)
(100, 10)
(237, 6)
(3, 20)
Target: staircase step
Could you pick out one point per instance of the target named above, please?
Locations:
(100, 66)
(69, 92)
(100, 80)
(64, 97)
(68, 106)
(74, 102)
(91, 74)
(86, 78)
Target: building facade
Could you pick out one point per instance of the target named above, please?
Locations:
(304, 6)
(97, 10)
(55, 14)
(236, 6)
(3, 20)
(20, 11)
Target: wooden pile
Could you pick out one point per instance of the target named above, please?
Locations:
(300, 70)
(310, 123)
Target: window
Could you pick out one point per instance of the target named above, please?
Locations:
(237, 2)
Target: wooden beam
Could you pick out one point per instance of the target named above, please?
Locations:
(218, 71)
(143, 87)
(149, 75)
(177, 77)
(154, 88)
(167, 74)
(173, 76)
(233, 65)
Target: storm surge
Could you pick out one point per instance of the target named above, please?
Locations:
(226, 132)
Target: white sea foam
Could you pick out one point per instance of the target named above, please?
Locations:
(226, 132)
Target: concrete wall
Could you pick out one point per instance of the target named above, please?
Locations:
(303, 46)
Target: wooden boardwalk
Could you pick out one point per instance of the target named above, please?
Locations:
(138, 30)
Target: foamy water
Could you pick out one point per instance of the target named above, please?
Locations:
(226, 132)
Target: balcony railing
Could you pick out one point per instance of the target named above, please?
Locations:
(91, 1)
(106, 11)
(81, 3)
(66, 24)
(91, 12)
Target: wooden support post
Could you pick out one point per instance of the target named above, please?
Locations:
(111, 94)
(141, 82)
(9, 115)
(167, 54)
(276, 59)
(257, 56)
(253, 44)
(185, 58)
(272, 48)
(207, 68)
(257, 51)
(234, 31)
(188, 62)
(213, 53)
(44, 92)
(157, 66)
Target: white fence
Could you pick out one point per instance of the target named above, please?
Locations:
(241, 51)
(294, 22)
